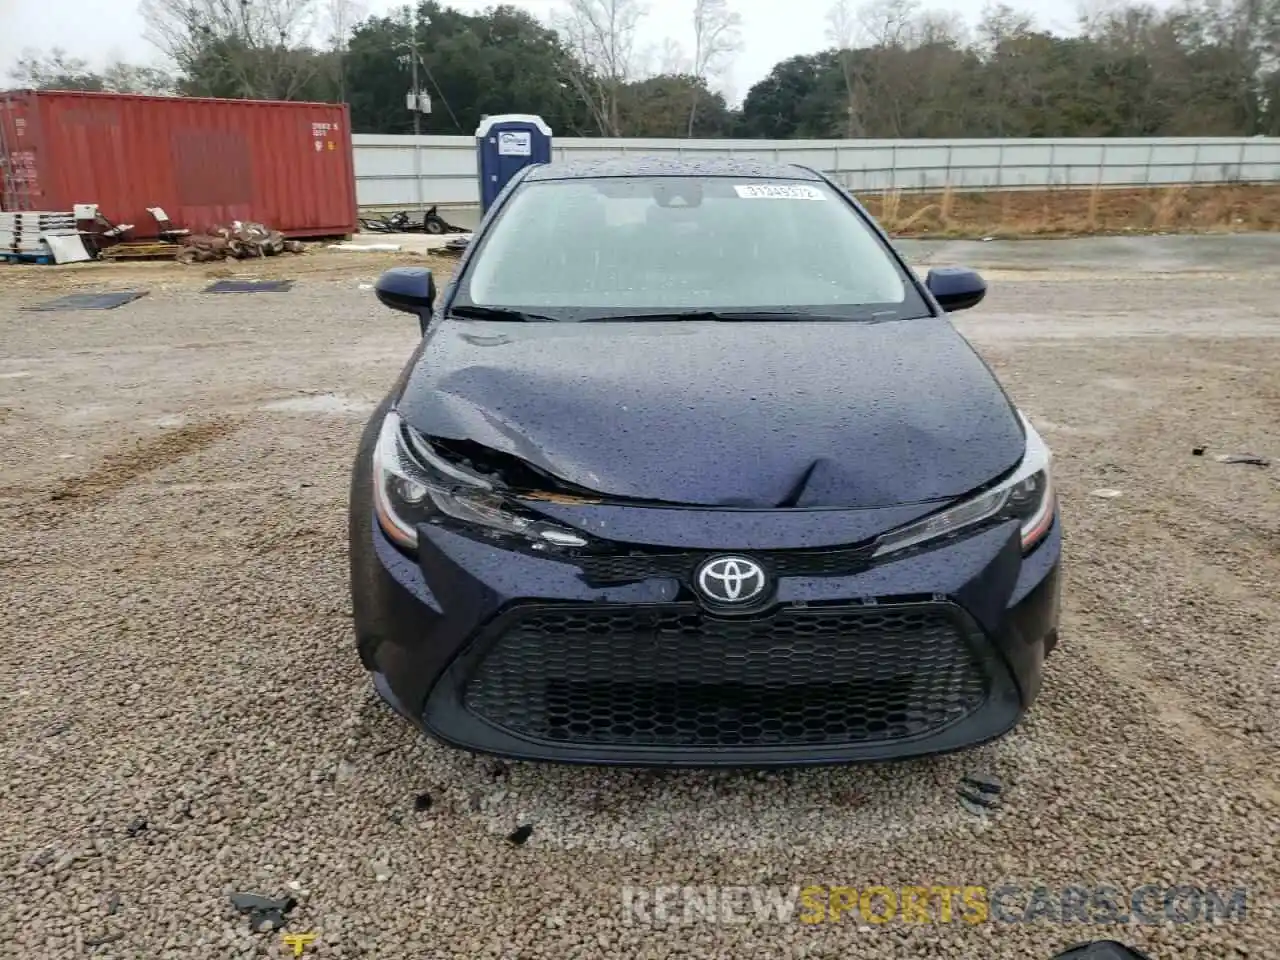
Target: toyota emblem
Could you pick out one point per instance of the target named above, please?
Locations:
(731, 580)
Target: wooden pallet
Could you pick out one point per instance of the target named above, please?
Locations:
(140, 250)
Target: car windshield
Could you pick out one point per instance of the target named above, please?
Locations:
(598, 248)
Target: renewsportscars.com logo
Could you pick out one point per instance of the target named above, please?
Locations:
(932, 903)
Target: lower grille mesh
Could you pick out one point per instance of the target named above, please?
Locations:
(673, 676)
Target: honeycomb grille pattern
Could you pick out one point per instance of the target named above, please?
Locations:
(672, 676)
(632, 567)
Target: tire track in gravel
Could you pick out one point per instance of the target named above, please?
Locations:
(117, 470)
(1186, 652)
(1217, 748)
(1169, 590)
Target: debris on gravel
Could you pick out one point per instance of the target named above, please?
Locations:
(265, 913)
(979, 793)
(1250, 458)
(136, 826)
(987, 784)
(105, 938)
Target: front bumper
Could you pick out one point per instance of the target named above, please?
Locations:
(525, 656)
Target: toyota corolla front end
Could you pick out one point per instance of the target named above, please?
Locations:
(729, 524)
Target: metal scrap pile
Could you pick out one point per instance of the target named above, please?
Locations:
(239, 241)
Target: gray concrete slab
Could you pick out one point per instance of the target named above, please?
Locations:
(1174, 253)
(408, 242)
(1147, 254)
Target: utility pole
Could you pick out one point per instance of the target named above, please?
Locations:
(414, 100)
(413, 61)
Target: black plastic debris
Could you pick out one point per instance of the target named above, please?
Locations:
(249, 286)
(89, 301)
(979, 792)
(974, 807)
(136, 826)
(1250, 458)
(265, 913)
(92, 942)
(1101, 950)
(422, 802)
(520, 834)
(984, 783)
(1197, 451)
(59, 728)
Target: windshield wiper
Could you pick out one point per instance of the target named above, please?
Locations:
(702, 315)
(475, 312)
(720, 315)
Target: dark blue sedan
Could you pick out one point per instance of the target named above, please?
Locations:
(689, 468)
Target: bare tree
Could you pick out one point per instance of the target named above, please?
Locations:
(250, 44)
(889, 23)
(1001, 22)
(341, 16)
(672, 59)
(942, 27)
(58, 71)
(121, 77)
(716, 38)
(842, 25)
(601, 35)
(53, 71)
(842, 32)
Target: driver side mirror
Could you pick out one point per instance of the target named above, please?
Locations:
(956, 288)
(409, 290)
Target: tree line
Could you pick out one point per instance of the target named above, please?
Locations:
(893, 69)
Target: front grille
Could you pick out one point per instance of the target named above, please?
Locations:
(601, 569)
(672, 676)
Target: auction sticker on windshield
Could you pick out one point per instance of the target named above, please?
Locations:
(776, 191)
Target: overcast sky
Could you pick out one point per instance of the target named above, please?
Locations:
(103, 30)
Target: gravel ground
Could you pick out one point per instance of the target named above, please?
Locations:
(185, 716)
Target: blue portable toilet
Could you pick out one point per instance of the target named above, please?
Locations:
(505, 145)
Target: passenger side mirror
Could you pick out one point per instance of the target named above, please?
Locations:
(407, 289)
(956, 288)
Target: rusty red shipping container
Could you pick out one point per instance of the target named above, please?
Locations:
(205, 162)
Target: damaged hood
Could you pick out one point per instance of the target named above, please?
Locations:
(734, 414)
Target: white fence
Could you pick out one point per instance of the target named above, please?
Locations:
(445, 171)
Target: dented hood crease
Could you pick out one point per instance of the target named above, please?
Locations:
(755, 415)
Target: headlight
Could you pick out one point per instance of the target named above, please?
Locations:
(413, 485)
(1027, 496)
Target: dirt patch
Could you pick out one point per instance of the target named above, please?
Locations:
(142, 457)
(1007, 214)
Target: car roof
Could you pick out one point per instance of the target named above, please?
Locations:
(638, 166)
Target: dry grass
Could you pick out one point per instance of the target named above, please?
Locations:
(1062, 212)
